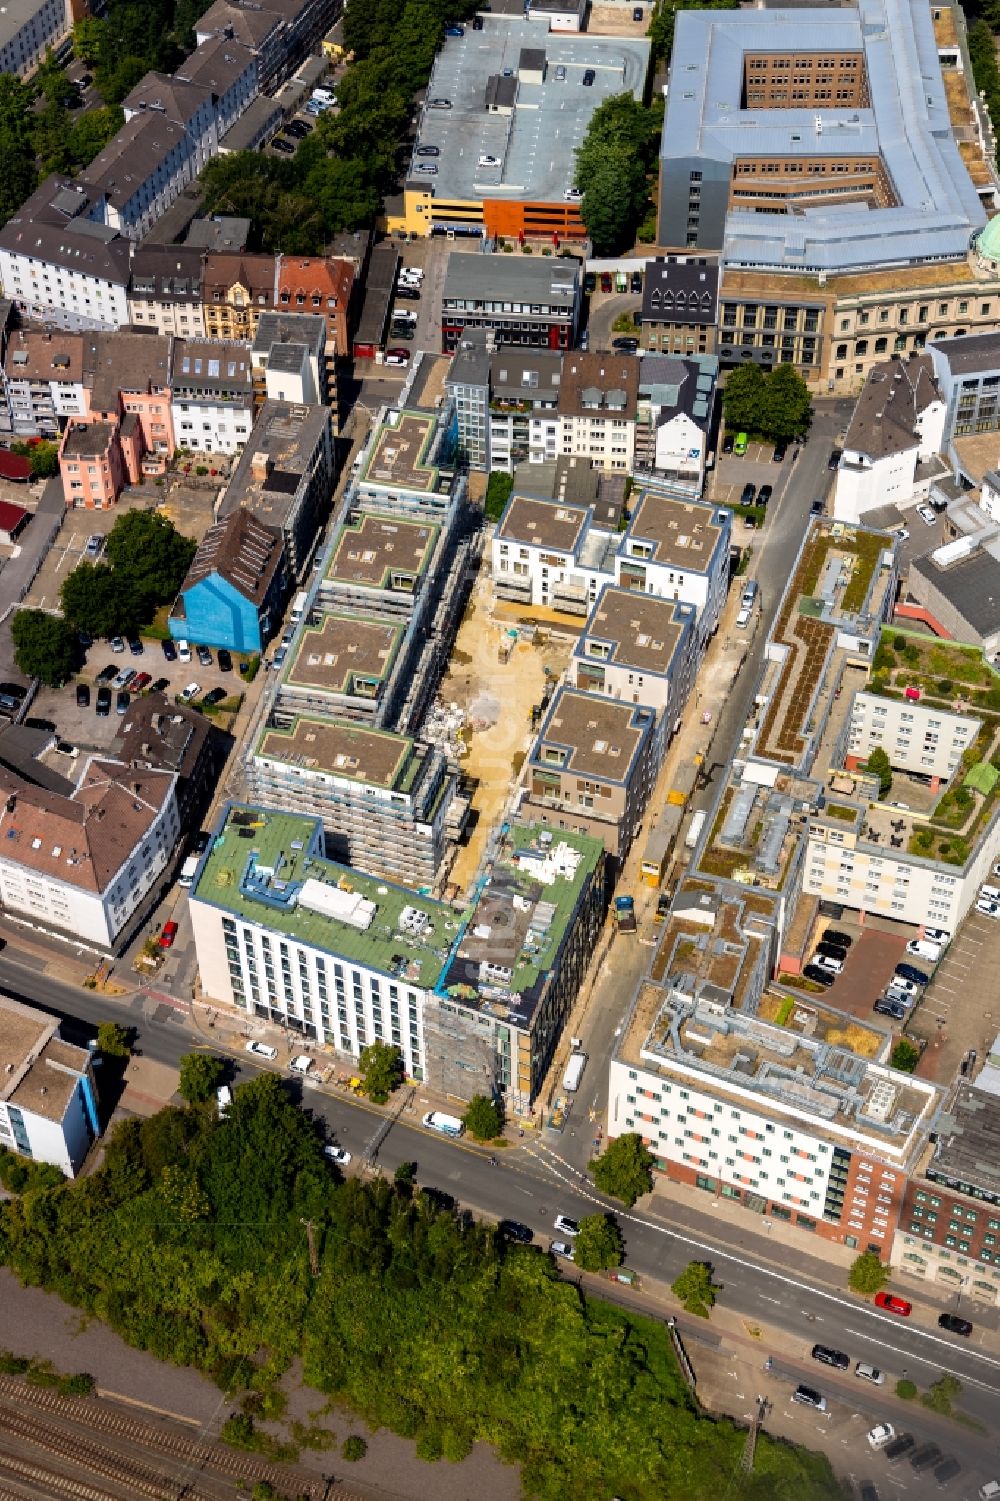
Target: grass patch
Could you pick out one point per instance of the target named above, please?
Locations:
(838, 810)
(158, 629)
(784, 1011)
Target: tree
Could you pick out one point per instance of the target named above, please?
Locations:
(113, 1040)
(17, 152)
(867, 1275)
(45, 646)
(483, 1118)
(695, 1288)
(613, 163)
(498, 491)
(95, 601)
(381, 1070)
(942, 1394)
(353, 1448)
(625, 1169)
(743, 400)
(787, 405)
(906, 1389)
(148, 553)
(201, 1075)
(905, 1056)
(405, 1177)
(879, 764)
(599, 1243)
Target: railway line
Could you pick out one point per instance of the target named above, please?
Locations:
(85, 1449)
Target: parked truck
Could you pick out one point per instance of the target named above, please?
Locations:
(625, 914)
(694, 828)
(574, 1072)
(448, 1125)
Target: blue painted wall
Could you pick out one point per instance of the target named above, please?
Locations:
(217, 614)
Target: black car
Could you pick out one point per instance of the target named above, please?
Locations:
(407, 294)
(819, 976)
(169, 651)
(514, 1230)
(48, 725)
(135, 646)
(946, 1471)
(477, 23)
(103, 702)
(590, 282)
(107, 673)
(885, 1007)
(83, 695)
(86, 642)
(954, 1324)
(625, 345)
(225, 660)
(842, 940)
(780, 449)
(910, 972)
(764, 494)
(588, 78)
(200, 842)
(160, 684)
(285, 147)
(868, 1491)
(635, 281)
(298, 128)
(832, 951)
(926, 1456)
(898, 1447)
(835, 1358)
(817, 508)
(836, 455)
(749, 493)
(727, 443)
(428, 151)
(215, 696)
(404, 332)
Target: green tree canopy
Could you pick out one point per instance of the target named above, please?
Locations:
(114, 1040)
(879, 765)
(201, 1075)
(905, 1056)
(625, 1169)
(381, 1070)
(743, 399)
(147, 552)
(867, 1275)
(777, 404)
(45, 646)
(613, 166)
(93, 600)
(483, 1118)
(695, 1288)
(599, 1244)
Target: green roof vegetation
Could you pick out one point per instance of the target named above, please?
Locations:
(841, 811)
(982, 778)
(284, 843)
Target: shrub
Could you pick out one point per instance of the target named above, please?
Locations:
(905, 1056)
(899, 642)
(945, 687)
(353, 1448)
(906, 1389)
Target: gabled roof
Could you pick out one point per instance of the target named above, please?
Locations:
(895, 395)
(241, 550)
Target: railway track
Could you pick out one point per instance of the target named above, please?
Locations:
(49, 1423)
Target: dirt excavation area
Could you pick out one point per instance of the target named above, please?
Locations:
(498, 673)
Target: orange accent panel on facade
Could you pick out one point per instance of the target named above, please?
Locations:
(533, 220)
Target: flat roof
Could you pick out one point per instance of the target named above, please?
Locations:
(343, 654)
(597, 736)
(543, 523)
(971, 587)
(341, 749)
(642, 630)
(968, 1143)
(551, 282)
(400, 451)
(87, 440)
(535, 139)
(684, 534)
(969, 354)
(907, 125)
(376, 551)
(258, 868)
(520, 921)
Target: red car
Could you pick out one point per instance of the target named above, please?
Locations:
(893, 1304)
(142, 681)
(170, 933)
(605, 281)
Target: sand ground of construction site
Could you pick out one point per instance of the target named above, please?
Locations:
(496, 699)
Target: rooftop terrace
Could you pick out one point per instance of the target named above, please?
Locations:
(378, 552)
(341, 750)
(265, 868)
(344, 654)
(400, 453)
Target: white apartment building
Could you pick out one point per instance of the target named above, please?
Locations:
(48, 1102)
(679, 550)
(674, 420)
(84, 864)
(43, 381)
(898, 425)
(212, 394)
(28, 28)
(915, 737)
(61, 268)
(340, 957)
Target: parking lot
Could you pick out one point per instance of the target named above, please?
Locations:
(871, 960)
(958, 1011)
(756, 467)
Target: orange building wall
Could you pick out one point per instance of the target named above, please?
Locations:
(533, 220)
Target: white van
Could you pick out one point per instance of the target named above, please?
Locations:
(299, 606)
(992, 892)
(224, 1098)
(743, 618)
(188, 869)
(183, 651)
(921, 949)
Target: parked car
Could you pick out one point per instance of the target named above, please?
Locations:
(454, 31)
(565, 1225)
(262, 1050)
(183, 651)
(876, 1377)
(439, 104)
(764, 494)
(884, 1006)
(727, 443)
(588, 78)
(892, 1304)
(190, 692)
(903, 985)
(836, 1358)
(427, 169)
(397, 356)
(749, 494)
(284, 146)
(880, 1435)
(117, 644)
(635, 281)
(486, 160)
(939, 935)
(214, 696)
(141, 681)
(124, 677)
(107, 673)
(987, 908)
(204, 656)
(780, 449)
(831, 951)
(562, 1249)
(897, 1447)
(168, 935)
(808, 1397)
(169, 651)
(833, 462)
(82, 696)
(590, 282)
(160, 684)
(637, 13)
(910, 972)
(817, 975)
(954, 1324)
(817, 508)
(832, 966)
(606, 281)
(514, 1230)
(834, 935)
(925, 1457)
(426, 151)
(627, 344)
(572, 195)
(405, 292)
(340, 1155)
(299, 129)
(93, 547)
(927, 516)
(103, 705)
(122, 701)
(945, 1472)
(224, 659)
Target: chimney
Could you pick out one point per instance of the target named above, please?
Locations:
(260, 466)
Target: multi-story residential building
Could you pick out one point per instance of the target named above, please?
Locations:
(323, 949)
(323, 286)
(289, 359)
(926, 742)
(341, 663)
(92, 463)
(968, 375)
(127, 386)
(673, 426)
(165, 290)
(157, 734)
(598, 394)
(235, 587)
(48, 1099)
(212, 395)
(407, 467)
(386, 801)
(897, 426)
(949, 1225)
(278, 34)
(60, 267)
(229, 70)
(284, 476)
(236, 291)
(592, 767)
(189, 105)
(85, 864)
(955, 590)
(506, 401)
(493, 1021)
(529, 302)
(680, 305)
(680, 550)
(28, 28)
(640, 649)
(757, 1104)
(43, 382)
